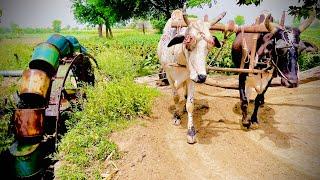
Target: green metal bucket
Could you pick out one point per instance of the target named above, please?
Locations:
(61, 43)
(45, 57)
(26, 159)
(75, 45)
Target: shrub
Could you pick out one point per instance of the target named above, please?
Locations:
(159, 23)
(56, 26)
(108, 107)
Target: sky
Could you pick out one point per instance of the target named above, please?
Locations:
(40, 13)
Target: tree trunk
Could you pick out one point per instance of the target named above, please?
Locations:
(167, 9)
(110, 32)
(100, 30)
(107, 32)
(143, 28)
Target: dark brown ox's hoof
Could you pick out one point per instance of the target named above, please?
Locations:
(254, 125)
(191, 135)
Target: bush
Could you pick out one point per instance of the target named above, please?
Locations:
(56, 26)
(308, 61)
(108, 107)
(159, 23)
(86, 145)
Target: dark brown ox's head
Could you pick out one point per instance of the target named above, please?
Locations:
(284, 46)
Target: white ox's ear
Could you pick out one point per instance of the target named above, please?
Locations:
(176, 40)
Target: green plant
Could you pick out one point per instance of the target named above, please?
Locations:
(239, 20)
(159, 23)
(108, 107)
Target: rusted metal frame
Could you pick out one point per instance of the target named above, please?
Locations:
(56, 95)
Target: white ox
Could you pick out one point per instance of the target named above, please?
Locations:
(182, 53)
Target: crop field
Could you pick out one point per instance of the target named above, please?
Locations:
(129, 54)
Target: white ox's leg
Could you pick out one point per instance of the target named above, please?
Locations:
(191, 134)
(176, 115)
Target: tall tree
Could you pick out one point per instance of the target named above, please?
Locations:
(56, 25)
(166, 6)
(87, 13)
(106, 12)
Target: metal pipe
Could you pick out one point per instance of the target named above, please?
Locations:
(13, 73)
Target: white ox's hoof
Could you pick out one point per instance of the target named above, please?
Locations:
(176, 121)
(191, 136)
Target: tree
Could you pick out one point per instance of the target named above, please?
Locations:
(239, 20)
(0, 14)
(56, 25)
(87, 13)
(298, 11)
(165, 7)
(107, 12)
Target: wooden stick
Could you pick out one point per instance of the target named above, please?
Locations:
(253, 51)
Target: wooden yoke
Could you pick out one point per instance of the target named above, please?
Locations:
(232, 27)
(255, 31)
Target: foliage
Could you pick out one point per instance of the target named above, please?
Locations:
(159, 23)
(248, 2)
(308, 61)
(86, 145)
(296, 22)
(304, 10)
(15, 29)
(56, 26)
(298, 11)
(7, 106)
(239, 20)
(14, 56)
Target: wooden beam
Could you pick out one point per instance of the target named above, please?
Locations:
(237, 70)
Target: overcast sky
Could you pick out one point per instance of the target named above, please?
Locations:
(40, 13)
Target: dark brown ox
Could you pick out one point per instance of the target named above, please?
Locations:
(277, 51)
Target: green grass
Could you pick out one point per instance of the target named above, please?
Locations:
(113, 104)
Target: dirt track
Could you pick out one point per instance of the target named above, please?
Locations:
(287, 145)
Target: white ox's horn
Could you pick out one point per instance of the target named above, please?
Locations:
(185, 16)
(303, 26)
(218, 18)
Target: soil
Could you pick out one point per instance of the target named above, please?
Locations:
(286, 146)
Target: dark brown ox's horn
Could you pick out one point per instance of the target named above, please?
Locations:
(272, 27)
(283, 17)
(303, 26)
(185, 16)
(218, 18)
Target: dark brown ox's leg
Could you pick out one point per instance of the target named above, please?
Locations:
(259, 100)
(244, 100)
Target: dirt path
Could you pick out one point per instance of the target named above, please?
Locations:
(287, 145)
